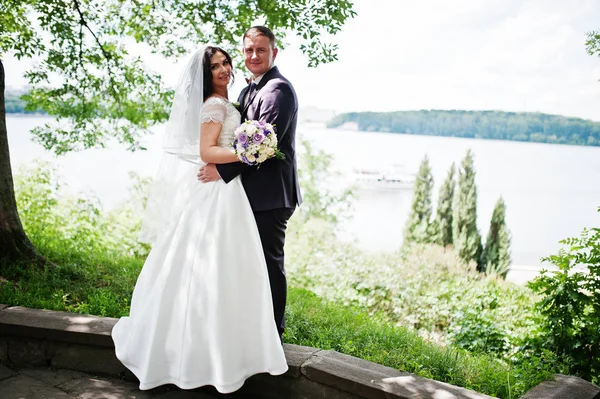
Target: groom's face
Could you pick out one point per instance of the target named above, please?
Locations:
(258, 54)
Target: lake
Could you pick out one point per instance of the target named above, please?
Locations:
(551, 191)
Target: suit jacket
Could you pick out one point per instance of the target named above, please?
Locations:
(275, 184)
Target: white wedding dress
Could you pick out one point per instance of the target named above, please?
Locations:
(201, 311)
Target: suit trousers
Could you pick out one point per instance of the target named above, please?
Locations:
(271, 228)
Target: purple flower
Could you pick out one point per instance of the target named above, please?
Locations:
(258, 137)
(243, 139)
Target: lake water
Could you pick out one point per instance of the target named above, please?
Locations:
(551, 191)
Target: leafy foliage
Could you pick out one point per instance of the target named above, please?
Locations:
(425, 287)
(496, 254)
(475, 328)
(466, 237)
(58, 221)
(570, 304)
(90, 74)
(497, 125)
(418, 224)
(592, 44)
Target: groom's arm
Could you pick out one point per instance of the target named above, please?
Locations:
(228, 171)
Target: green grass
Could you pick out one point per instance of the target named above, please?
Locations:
(99, 285)
(312, 321)
(102, 285)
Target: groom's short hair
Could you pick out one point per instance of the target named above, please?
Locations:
(260, 31)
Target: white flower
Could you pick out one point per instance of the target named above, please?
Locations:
(250, 129)
(250, 157)
(270, 152)
(262, 158)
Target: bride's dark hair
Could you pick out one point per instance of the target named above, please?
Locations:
(207, 73)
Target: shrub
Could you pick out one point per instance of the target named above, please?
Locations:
(60, 222)
(570, 304)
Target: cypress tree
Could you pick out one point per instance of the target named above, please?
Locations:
(496, 256)
(417, 227)
(444, 209)
(466, 236)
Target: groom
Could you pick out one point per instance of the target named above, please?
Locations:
(272, 189)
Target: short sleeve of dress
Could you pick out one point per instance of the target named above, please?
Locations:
(213, 110)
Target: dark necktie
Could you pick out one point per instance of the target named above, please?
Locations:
(251, 90)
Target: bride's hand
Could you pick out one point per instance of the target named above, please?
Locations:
(208, 173)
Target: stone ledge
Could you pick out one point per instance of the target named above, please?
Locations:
(83, 343)
(374, 381)
(56, 326)
(564, 387)
(296, 356)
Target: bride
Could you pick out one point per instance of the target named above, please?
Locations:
(201, 311)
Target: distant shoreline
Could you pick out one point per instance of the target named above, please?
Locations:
(496, 125)
(465, 138)
(23, 114)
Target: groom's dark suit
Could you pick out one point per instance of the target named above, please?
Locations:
(272, 189)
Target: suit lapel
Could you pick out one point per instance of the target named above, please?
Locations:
(242, 100)
(262, 83)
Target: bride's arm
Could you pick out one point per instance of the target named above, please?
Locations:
(210, 152)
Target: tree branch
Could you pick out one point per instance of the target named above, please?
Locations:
(107, 56)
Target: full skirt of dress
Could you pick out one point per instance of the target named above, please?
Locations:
(201, 311)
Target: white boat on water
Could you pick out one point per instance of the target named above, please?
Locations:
(394, 178)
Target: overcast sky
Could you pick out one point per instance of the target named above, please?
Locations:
(511, 55)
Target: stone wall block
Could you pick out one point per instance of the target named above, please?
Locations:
(88, 359)
(28, 352)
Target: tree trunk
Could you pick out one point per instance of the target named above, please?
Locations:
(14, 243)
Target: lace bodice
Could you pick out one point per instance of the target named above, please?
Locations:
(216, 109)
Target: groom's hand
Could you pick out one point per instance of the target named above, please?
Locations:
(208, 173)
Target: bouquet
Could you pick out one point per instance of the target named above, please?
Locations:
(255, 142)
